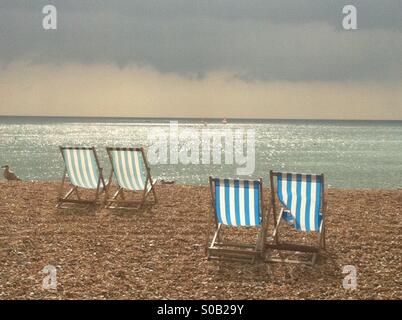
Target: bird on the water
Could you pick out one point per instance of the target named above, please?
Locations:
(8, 174)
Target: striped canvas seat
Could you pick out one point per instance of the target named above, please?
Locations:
(129, 169)
(302, 205)
(132, 172)
(237, 202)
(301, 196)
(82, 167)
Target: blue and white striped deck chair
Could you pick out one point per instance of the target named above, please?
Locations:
(81, 166)
(132, 172)
(236, 203)
(302, 205)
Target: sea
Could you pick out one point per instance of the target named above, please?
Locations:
(351, 154)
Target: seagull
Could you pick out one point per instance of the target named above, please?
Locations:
(8, 174)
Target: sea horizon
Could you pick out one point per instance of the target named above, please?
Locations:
(352, 154)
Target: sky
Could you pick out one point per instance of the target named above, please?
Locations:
(202, 58)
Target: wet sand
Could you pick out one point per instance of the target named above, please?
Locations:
(158, 252)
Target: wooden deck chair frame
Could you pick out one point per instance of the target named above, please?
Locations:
(123, 203)
(222, 250)
(278, 245)
(75, 189)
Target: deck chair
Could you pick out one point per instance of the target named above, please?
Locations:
(132, 172)
(235, 203)
(302, 205)
(81, 166)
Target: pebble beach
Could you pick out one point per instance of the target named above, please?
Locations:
(158, 252)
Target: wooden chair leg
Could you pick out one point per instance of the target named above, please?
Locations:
(67, 195)
(77, 193)
(146, 193)
(276, 230)
(154, 192)
(97, 189)
(121, 193)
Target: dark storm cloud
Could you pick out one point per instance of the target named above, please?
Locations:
(299, 40)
